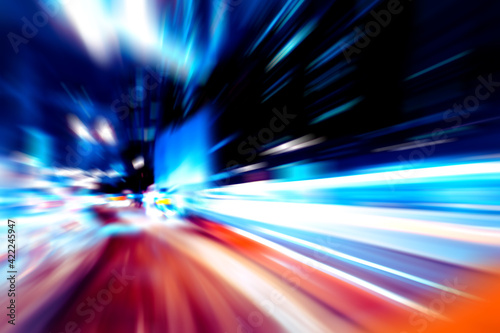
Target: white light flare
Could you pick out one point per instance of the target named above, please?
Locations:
(138, 162)
(76, 125)
(300, 143)
(137, 20)
(105, 131)
(93, 25)
(251, 167)
(283, 147)
(112, 173)
(378, 178)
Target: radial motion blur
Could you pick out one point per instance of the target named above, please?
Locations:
(239, 166)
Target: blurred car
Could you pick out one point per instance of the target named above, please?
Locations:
(118, 200)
